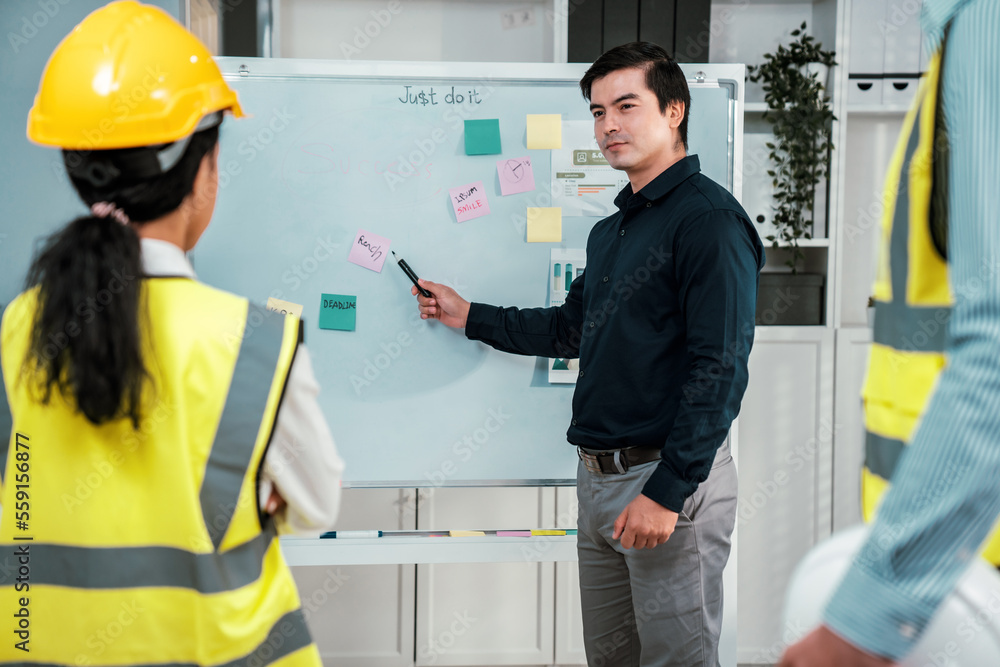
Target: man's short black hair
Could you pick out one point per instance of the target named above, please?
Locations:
(663, 75)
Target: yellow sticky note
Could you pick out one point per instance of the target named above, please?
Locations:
(544, 130)
(548, 532)
(279, 306)
(466, 533)
(545, 225)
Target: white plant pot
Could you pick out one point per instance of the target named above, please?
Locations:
(822, 73)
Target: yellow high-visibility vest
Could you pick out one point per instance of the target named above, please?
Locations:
(913, 298)
(123, 546)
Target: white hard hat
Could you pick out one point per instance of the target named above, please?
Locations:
(964, 632)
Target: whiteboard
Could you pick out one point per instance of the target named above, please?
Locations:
(411, 402)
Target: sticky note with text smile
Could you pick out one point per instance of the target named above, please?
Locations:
(369, 250)
(338, 312)
(469, 201)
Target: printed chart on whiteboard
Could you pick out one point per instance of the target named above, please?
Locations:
(565, 265)
(583, 183)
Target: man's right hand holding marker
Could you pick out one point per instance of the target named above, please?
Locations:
(444, 305)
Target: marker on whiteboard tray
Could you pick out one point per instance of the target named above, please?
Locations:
(410, 274)
(348, 534)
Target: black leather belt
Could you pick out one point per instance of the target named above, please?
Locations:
(616, 461)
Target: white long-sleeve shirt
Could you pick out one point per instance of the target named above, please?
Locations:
(302, 461)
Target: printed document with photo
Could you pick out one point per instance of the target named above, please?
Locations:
(583, 183)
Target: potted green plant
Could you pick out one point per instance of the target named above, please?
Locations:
(801, 119)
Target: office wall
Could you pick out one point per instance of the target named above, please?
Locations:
(445, 30)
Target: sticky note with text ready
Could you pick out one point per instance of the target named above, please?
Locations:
(544, 130)
(369, 250)
(338, 312)
(482, 137)
(545, 225)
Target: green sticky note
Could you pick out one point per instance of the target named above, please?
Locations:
(482, 137)
(338, 311)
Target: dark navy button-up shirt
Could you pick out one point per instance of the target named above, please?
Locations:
(662, 320)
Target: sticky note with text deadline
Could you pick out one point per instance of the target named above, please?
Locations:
(338, 312)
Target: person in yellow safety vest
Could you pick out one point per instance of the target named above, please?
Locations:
(155, 433)
(932, 395)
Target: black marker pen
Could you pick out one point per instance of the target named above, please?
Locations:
(411, 275)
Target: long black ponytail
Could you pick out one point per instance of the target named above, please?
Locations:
(86, 339)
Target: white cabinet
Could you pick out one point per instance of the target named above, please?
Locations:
(486, 613)
(867, 52)
(786, 432)
(853, 346)
(869, 146)
(902, 52)
(885, 58)
(569, 617)
(362, 615)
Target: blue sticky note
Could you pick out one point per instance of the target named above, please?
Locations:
(482, 137)
(338, 311)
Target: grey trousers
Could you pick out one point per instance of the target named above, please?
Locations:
(659, 607)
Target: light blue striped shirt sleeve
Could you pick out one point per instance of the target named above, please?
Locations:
(946, 489)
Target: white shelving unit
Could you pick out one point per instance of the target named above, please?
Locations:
(743, 31)
(801, 416)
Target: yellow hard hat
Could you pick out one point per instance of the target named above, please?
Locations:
(128, 75)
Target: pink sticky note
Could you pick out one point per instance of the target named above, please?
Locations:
(515, 176)
(469, 201)
(513, 533)
(369, 250)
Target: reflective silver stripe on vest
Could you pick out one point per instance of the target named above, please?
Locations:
(897, 324)
(287, 635)
(138, 567)
(882, 454)
(241, 419)
(911, 328)
(6, 425)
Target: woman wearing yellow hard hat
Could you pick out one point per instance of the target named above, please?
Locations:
(157, 433)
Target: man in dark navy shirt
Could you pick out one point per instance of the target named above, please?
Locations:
(662, 320)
